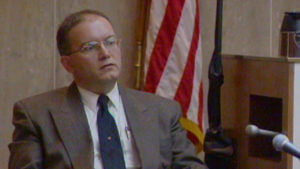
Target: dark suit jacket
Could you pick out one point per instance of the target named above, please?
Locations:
(51, 131)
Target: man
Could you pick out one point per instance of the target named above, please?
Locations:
(95, 123)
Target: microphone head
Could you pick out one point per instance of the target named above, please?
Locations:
(279, 141)
(252, 130)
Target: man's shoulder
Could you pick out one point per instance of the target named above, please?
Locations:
(52, 95)
(147, 97)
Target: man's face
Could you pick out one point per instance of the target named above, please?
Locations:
(93, 64)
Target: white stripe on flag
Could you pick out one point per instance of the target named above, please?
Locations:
(194, 105)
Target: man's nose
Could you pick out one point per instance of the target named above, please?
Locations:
(103, 52)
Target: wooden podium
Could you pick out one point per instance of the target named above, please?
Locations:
(263, 91)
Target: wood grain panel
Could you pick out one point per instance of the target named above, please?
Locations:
(26, 58)
(245, 77)
(246, 27)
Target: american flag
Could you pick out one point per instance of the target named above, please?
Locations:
(173, 60)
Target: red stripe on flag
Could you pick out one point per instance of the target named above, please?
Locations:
(184, 91)
(200, 110)
(192, 137)
(163, 44)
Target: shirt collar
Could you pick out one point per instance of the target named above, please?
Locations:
(90, 99)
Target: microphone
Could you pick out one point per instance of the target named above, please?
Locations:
(282, 143)
(253, 130)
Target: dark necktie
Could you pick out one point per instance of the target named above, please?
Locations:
(110, 145)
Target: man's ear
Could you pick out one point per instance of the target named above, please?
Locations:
(66, 62)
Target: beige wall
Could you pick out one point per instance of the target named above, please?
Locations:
(29, 63)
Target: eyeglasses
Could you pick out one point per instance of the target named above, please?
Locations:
(93, 47)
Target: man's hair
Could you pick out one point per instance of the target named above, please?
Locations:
(70, 21)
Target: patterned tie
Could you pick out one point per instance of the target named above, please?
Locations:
(110, 145)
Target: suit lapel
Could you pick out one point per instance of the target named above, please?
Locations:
(73, 128)
(144, 127)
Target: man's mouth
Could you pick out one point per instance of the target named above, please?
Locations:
(107, 66)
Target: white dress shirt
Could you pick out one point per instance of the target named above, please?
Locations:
(115, 107)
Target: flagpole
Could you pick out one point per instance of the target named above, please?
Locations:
(141, 31)
(215, 76)
(217, 146)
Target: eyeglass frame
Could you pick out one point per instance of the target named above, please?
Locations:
(106, 44)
